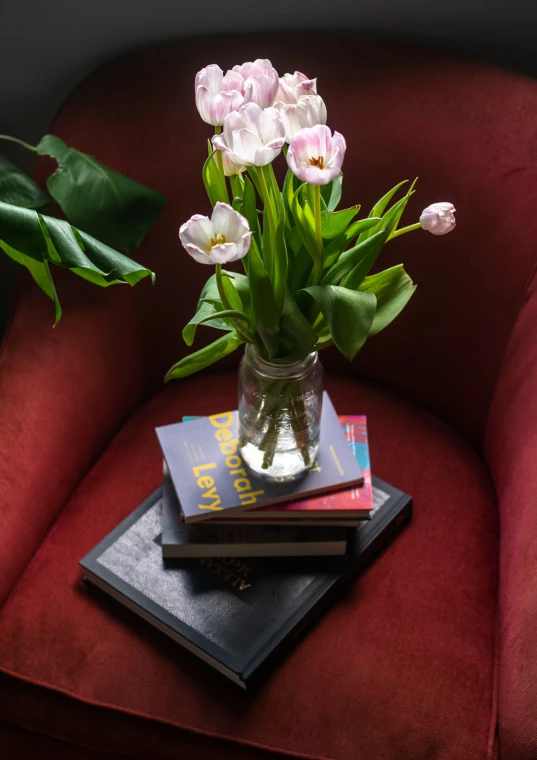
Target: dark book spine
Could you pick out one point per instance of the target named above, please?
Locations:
(259, 669)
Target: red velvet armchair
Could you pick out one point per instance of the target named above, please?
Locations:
(432, 653)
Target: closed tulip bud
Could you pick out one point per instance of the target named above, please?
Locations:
(224, 237)
(438, 218)
(252, 136)
(260, 81)
(315, 155)
(218, 95)
(308, 112)
(292, 87)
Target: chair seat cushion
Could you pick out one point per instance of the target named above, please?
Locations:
(402, 666)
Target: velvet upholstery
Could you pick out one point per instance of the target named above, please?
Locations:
(367, 664)
(411, 663)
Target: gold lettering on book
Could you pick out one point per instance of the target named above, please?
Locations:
(336, 460)
(217, 566)
(230, 449)
(206, 481)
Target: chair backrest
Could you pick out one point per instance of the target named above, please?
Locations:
(465, 129)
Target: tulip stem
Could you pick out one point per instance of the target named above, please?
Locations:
(318, 264)
(267, 200)
(219, 163)
(403, 230)
(247, 338)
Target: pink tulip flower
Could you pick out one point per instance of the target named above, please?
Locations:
(218, 95)
(260, 81)
(315, 155)
(292, 87)
(438, 218)
(224, 237)
(309, 111)
(252, 136)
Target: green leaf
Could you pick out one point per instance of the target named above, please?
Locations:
(367, 250)
(40, 271)
(210, 303)
(354, 278)
(393, 289)
(348, 313)
(265, 312)
(214, 181)
(305, 221)
(331, 192)
(18, 189)
(102, 202)
(30, 235)
(204, 310)
(280, 256)
(378, 208)
(361, 226)
(204, 357)
(336, 222)
(226, 314)
(297, 338)
(231, 294)
(249, 210)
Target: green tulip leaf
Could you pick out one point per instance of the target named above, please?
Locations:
(334, 223)
(296, 334)
(214, 179)
(210, 303)
(19, 190)
(331, 192)
(265, 312)
(249, 210)
(367, 251)
(102, 202)
(393, 289)
(361, 226)
(204, 357)
(348, 313)
(379, 207)
(281, 261)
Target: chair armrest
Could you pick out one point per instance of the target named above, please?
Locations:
(63, 393)
(511, 450)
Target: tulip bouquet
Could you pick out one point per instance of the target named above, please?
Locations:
(306, 283)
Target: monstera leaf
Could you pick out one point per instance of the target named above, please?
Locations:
(35, 241)
(100, 201)
(18, 189)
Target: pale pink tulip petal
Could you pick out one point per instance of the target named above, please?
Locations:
(316, 157)
(200, 256)
(218, 95)
(244, 146)
(229, 166)
(294, 86)
(198, 231)
(270, 125)
(438, 218)
(225, 237)
(233, 81)
(229, 222)
(210, 77)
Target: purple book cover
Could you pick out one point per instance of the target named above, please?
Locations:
(211, 479)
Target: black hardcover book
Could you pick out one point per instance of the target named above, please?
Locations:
(239, 616)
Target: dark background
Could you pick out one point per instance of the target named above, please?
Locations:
(48, 46)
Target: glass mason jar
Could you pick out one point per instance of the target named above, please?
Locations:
(279, 414)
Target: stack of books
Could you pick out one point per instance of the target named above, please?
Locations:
(233, 566)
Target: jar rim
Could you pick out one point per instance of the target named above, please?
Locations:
(264, 366)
